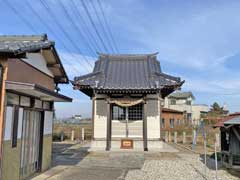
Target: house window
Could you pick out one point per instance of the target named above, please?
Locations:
(178, 122)
(171, 123)
(12, 99)
(38, 104)
(135, 112)
(173, 102)
(189, 116)
(25, 101)
(163, 123)
(118, 113)
(15, 126)
(188, 102)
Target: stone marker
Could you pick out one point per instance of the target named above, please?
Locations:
(166, 136)
(217, 139)
(175, 137)
(194, 136)
(62, 136)
(184, 138)
(170, 137)
(72, 135)
(83, 134)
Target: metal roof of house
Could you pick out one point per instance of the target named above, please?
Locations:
(235, 120)
(181, 95)
(22, 43)
(127, 72)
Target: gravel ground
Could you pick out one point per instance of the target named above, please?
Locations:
(185, 167)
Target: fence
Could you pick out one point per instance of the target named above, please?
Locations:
(72, 131)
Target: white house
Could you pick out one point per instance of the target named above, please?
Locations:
(184, 101)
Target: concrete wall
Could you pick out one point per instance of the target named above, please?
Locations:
(100, 118)
(153, 116)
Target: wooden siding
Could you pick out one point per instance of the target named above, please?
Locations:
(20, 71)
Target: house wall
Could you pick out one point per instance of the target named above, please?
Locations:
(37, 60)
(180, 104)
(12, 156)
(197, 109)
(28, 74)
(172, 115)
(100, 117)
(153, 117)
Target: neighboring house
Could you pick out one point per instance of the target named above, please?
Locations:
(184, 101)
(126, 91)
(230, 140)
(171, 120)
(30, 73)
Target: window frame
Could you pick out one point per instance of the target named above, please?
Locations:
(172, 123)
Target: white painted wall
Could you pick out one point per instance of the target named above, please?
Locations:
(9, 122)
(197, 109)
(153, 117)
(100, 121)
(48, 122)
(37, 61)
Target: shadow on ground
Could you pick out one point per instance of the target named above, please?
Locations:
(66, 154)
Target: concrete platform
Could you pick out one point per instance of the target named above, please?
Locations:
(153, 146)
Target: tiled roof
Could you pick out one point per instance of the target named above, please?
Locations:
(235, 120)
(21, 44)
(180, 95)
(171, 110)
(135, 72)
(226, 120)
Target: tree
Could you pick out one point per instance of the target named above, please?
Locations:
(216, 110)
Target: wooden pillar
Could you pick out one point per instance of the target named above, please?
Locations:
(2, 100)
(93, 115)
(109, 124)
(145, 145)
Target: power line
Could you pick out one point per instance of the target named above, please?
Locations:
(94, 26)
(107, 25)
(86, 29)
(50, 29)
(102, 26)
(29, 25)
(64, 32)
(75, 26)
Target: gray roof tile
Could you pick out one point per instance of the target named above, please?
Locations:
(21, 44)
(127, 72)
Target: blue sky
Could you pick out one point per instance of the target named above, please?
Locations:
(196, 40)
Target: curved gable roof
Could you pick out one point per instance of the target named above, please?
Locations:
(127, 72)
